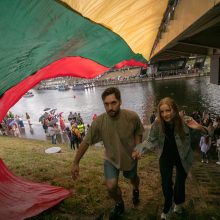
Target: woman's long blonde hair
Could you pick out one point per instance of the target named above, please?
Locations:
(177, 120)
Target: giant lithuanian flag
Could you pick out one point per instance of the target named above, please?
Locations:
(41, 39)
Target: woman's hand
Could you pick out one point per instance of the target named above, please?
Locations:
(136, 155)
(191, 123)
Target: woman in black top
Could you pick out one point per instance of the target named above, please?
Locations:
(170, 133)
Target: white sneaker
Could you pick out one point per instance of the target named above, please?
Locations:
(166, 216)
(218, 162)
(178, 209)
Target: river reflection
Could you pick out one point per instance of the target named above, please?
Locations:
(190, 94)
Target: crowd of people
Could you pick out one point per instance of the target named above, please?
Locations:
(52, 123)
(208, 143)
(13, 124)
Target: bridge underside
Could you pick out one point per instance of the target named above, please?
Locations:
(201, 38)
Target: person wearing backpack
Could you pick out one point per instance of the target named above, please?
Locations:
(75, 136)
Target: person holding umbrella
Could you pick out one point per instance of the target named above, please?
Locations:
(53, 121)
(44, 119)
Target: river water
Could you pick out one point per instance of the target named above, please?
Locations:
(190, 94)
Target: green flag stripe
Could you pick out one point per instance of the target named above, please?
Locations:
(36, 33)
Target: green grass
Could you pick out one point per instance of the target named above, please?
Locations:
(26, 158)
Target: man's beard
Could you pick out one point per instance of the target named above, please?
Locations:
(113, 113)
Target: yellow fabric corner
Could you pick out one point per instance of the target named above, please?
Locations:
(136, 21)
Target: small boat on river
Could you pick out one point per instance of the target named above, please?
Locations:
(63, 87)
(78, 87)
(28, 94)
(82, 86)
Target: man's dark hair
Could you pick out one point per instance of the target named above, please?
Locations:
(112, 90)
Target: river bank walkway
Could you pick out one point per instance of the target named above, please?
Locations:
(119, 77)
(129, 79)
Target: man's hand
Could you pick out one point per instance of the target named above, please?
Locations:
(75, 171)
(75, 168)
(136, 155)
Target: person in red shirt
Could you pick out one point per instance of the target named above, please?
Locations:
(94, 117)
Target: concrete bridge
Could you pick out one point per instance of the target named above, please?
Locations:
(190, 28)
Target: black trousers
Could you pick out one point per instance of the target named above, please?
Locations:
(178, 192)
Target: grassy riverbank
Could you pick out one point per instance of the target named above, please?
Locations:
(26, 158)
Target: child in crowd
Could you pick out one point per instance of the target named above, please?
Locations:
(205, 143)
